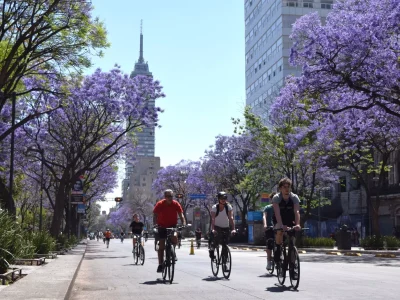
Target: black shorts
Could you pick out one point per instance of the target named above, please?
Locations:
(162, 233)
(269, 233)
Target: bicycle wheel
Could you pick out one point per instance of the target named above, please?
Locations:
(281, 266)
(215, 262)
(294, 268)
(271, 271)
(169, 265)
(135, 255)
(141, 255)
(226, 262)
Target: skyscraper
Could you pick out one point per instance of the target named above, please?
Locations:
(139, 177)
(268, 25)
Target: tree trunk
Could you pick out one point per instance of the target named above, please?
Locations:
(58, 211)
(375, 217)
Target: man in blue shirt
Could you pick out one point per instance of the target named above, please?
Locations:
(269, 231)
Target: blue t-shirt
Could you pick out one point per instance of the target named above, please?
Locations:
(269, 210)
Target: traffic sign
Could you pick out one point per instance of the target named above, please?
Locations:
(197, 196)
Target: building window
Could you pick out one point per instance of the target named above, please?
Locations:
(308, 4)
(292, 3)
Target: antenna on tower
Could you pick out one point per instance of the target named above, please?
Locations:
(141, 26)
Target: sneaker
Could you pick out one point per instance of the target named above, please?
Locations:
(159, 269)
(269, 265)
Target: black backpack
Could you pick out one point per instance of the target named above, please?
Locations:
(226, 209)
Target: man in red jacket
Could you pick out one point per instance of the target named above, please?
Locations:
(166, 214)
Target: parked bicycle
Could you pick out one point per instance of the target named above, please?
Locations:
(287, 257)
(138, 250)
(222, 257)
(169, 255)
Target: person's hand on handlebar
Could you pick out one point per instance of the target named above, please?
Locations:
(297, 227)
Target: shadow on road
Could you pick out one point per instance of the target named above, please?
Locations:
(154, 282)
(211, 278)
(280, 289)
(267, 275)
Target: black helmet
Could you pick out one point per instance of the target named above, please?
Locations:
(222, 195)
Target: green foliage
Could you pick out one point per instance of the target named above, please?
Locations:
(44, 243)
(13, 239)
(380, 242)
(63, 242)
(392, 242)
(373, 241)
(318, 242)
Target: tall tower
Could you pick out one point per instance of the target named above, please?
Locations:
(268, 25)
(139, 177)
(145, 138)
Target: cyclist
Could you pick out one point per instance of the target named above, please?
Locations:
(137, 229)
(221, 218)
(165, 216)
(286, 211)
(269, 231)
(198, 236)
(122, 236)
(107, 236)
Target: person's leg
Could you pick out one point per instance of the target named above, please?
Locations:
(161, 251)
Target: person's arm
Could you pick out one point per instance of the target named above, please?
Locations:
(265, 219)
(212, 220)
(296, 208)
(230, 217)
(182, 217)
(277, 212)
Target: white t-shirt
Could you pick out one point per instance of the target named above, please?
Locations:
(222, 219)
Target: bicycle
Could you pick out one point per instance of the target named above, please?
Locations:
(288, 250)
(170, 256)
(138, 250)
(224, 259)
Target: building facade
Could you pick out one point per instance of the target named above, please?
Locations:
(268, 24)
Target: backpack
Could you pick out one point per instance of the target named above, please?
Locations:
(226, 209)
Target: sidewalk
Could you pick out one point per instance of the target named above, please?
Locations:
(51, 281)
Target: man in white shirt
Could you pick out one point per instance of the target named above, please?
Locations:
(221, 218)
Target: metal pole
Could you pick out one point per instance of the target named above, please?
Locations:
(319, 216)
(11, 201)
(41, 193)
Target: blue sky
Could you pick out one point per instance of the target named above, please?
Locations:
(196, 50)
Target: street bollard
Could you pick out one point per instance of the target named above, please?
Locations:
(191, 248)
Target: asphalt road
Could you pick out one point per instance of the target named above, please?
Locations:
(111, 274)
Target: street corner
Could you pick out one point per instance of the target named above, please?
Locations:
(333, 253)
(385, 255)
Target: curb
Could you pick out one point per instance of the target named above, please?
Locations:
(71, 284)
